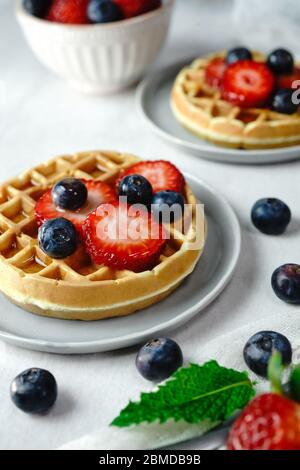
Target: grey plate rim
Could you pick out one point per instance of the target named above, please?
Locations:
(203, 149)
(88, 347)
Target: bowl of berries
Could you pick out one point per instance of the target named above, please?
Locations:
(97, 46)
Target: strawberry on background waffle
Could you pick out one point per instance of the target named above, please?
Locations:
(247, 84)
(240, 99)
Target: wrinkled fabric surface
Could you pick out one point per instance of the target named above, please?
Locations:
(268, 24)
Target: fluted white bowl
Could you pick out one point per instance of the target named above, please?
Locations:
(101, 58)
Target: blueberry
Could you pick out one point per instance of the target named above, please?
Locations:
(58, 238)
(281, 61)
(158, 359)
(34, 390)
(294, 383)
(103, 11)
(238, 53)
(283, 101)
(163, 201)
(271, 216)
(70, 194)
(137, 189)
(37, 8)
(259, 349)
(286, 283)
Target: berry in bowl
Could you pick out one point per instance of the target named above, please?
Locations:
(98, 46)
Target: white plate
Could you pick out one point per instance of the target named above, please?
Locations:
(211, 275)
(153, 100)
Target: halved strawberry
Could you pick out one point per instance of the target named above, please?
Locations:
(123, 237)
(98, 192)
(161, 174)
(214, 72)
(248, 84)
(68, 11)
(287, 81)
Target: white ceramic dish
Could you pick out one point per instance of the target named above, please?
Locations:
(153, 100)
(213, 272)
(98, 58)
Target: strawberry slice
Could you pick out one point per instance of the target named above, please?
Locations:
(123, 237)
(68, 11)
(287, 81)
(248, 84)
(214, 72)
(161, 174)
(98, 192)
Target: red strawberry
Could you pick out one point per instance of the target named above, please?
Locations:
(132, 8)
(161, 174)
(248, 84)
(98, 192)
(269, 422)
(69, 11)
(215, 71)
(287, 81)
(122, 237)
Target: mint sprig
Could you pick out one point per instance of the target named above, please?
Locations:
(193, 394)
(275, 372)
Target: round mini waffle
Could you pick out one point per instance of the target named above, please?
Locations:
(201, 109)
(77, 288)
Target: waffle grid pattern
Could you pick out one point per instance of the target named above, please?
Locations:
(18, 228)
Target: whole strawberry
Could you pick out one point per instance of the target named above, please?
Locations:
(69, 11)
(269, 422)
(131, 8)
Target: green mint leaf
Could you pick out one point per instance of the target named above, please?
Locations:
(275, 372)
(193, 394)
(295, 383)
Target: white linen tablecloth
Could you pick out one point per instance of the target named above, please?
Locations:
(40, 118)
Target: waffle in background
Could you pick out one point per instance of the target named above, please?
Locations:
(201, 110)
